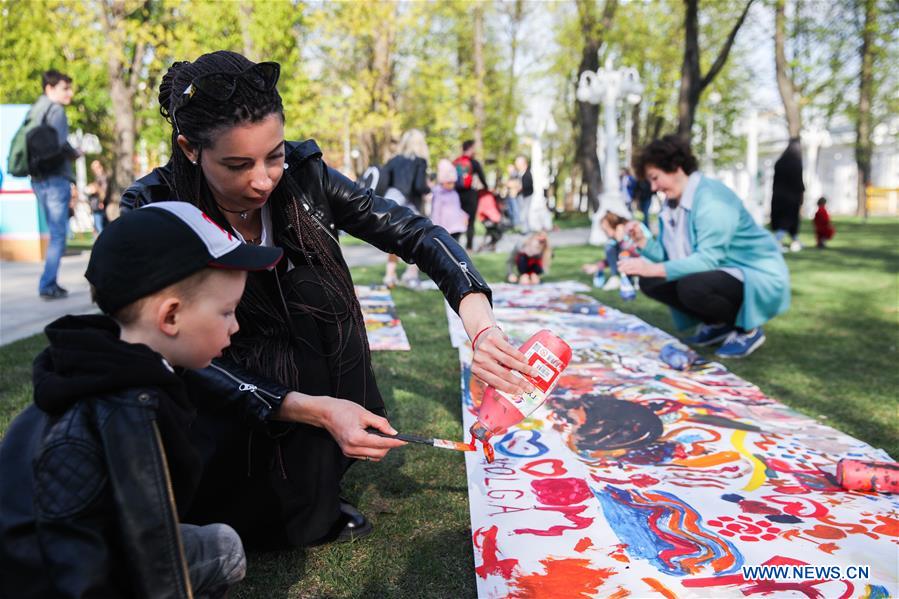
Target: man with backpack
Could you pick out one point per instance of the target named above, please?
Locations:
(49, 163)
(466, 169)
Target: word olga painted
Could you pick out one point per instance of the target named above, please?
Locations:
(637, 479)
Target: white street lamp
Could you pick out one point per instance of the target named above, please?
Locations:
(607, 85)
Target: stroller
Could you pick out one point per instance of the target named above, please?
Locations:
(494, 218)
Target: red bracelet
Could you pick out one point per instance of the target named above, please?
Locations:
(485, 329)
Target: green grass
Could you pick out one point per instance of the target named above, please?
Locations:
(832, 356)
(572, 220)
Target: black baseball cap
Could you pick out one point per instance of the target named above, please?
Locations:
(155, 246)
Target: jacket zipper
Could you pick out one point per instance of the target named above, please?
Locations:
(170, 494)
(321, 226)
(243, 386)
(463, 266)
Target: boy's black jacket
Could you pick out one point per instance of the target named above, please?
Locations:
(87, 492)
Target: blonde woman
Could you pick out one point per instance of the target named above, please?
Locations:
(404, 179)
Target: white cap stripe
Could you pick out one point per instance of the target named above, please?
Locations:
(217, 240)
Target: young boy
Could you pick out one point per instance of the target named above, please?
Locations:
(618, 246)
(94, 475)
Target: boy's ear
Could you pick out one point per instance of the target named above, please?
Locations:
(168, 316)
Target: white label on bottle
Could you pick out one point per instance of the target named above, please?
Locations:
(548, 367)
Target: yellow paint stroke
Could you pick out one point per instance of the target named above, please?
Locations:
(758, 468)
(703, 461)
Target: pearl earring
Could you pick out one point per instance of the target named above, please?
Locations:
(193, 162)
(286, 166)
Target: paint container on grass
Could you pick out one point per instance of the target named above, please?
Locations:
(585, 308)
(627, 290)
(859, 475)
(499, 410)
(678, 357)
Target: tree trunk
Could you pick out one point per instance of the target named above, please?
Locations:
(636, 140)
(592, 31)
(692, 81)
(785, 85)
(123, 81)
(375, 141)
(479, 76)
(245, 17)
(863, 144)
(516, 16)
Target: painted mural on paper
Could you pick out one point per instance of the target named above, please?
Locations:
(636, 480)
(383, 326)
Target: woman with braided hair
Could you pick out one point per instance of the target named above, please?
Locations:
(282, 414)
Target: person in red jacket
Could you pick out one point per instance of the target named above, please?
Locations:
(824, 231)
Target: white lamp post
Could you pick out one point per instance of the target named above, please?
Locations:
(607, 85)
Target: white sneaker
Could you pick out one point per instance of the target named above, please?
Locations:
(612, 284)
(795, 246)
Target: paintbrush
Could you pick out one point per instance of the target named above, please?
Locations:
(441, 443)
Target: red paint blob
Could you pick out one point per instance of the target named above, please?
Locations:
(584, 544)
(561, 491)
(757, 507)
(489, 551)
(561, 578)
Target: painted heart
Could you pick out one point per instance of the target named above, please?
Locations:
(544, 468)
(521, 444)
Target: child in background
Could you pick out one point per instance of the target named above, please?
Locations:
(530, 259)
(618, 246)
(96, 473)
(446, 208)
(824, 231)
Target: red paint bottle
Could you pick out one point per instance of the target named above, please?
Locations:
(499, 410)
(858, 475)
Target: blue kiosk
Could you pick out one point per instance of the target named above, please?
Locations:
(23, 229)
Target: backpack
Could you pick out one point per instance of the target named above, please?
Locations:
(464, 171)
(35, 148)
(17, 162)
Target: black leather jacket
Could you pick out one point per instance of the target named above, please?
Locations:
(87, 494)
(408, 175)
(71, 470)
(335, 203)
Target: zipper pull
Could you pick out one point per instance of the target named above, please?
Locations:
(247, 387)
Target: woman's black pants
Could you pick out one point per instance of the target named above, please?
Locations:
(713, 296)
(469, 202)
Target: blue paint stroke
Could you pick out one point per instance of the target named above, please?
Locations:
(532, 447)
(630, 521)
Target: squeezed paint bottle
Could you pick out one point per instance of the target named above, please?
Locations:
(550, 355)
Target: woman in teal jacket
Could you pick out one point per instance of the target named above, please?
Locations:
(711, 262)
